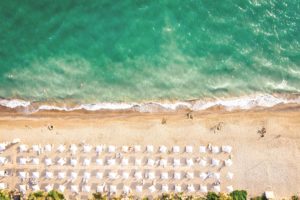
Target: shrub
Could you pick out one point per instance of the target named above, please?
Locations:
(55, 195)
(212, 196)
(4, 195)
(39, 195)
(295, 197)
(239, 195)
(99, 196)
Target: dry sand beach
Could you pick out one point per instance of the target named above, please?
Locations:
(260, 163)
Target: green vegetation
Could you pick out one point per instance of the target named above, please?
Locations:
(4, 195)
(239, 195)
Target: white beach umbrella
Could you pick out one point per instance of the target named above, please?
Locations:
(86, 188)
(86, 162)
(137, 148)
(126, 189)
(217, 175)
(99, 175)
(203, 188)
(86, 175)
(189, 162)
(202, 149)
(35, 188)
(164, 175)
(163, 162)
(125, 149)
(124, 161)
(74, 189)
(22, 175)
(100, 188)
(3, 160)
(176, 149)
(61, 148)
(61, 161)
(215, 162)
(228, 162)
(227, 149)
(36, 148)
(22, 189)
(138, 175)
(203, 175)
(150, 162)
(190, 175)
(48, 161)
(73, 161)
(35, 161)
(99, 148)
(48, 148)
(113, 189)
(49, 187)
(3, 186)
(151, 175)
(2, 173)
(73, 175)
(35, 174)
(152, 188)
(150, 148)
(125, 175)
(61, 175)
(2, 146)
(138, 162)
(189, 149)
(177, 188)
(177, 175)
(229, 175)
(111, 149)
(217, 188)
(215, 149)
(111, 161)
(203, 162)
(99, 161)
(165, 188)
(73, 148)
(162, 149)
(112, 175)
(49, 175)
(139, 188)
(61, 188)
(191, 188)
(22, 161)
(23, 148)
(87, 148)
(176, 162)
(229, 189)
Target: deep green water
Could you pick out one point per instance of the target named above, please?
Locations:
(112, 51)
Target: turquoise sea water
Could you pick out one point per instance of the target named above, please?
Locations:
(134, 51)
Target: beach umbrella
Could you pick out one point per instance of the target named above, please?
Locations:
(73, 162)
(35, 188)
(137, 148)
(189, 162)
(87, 175)
(124, 162)
(228, 162)
(176, 149)
(2, 173)
(150, 148)
(86, 162)
(189, 149)
(126, 189)
(150, 162)
(138, 162)
(61, 161)
(111, 149)
(73, 148)
(138, 175)
(61, 148)
(217, 175)
(23, 148)
(215, 162)
(48, 148)
(61, 175)
(3, 160)
(2, 186)
(22, 175)
(111, 161)
(229, 175)
(99, 148)
(87, 148)
(74, 189)
(151, 175)
(36, 175)
(217, 188)
(269, 195)
(176, 162)
(99, 175)
(203, 175)
(125, 175)
(152, 188)
(202, 149)
(100, 188)
(22, 161)
(177, 188)
(73, 175)
(35, 161)
(36, 148)
(162, 149)
(48, 188)
(48, 161)
(163, 162)
(22, 189)
(191, 188)
(164, 175)
(190, 175)
(86, 188)
(61, 188)
(112, 175)
(99, 161)
(177, 175)
(165, 188)
(229, 189)
(227, 149)
(2, 146)
(202, 162)
(139, 188)
(203, 188)
(112, 189)
(49, 175)
(215, 149)
(125, 149)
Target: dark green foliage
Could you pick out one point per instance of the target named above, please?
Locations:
(4, 195)
(239, 195)
(55, 195)
(295, 197)
(212, 196)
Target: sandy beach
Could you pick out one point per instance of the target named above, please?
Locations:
(259, 163)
